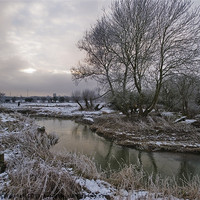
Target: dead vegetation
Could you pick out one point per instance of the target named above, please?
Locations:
(55, 176)
(34, 171)
(135, 178)
(152, 128)
(37, 179)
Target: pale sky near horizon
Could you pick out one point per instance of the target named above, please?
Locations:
(38, 44)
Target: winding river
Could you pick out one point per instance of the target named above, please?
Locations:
(79, 138)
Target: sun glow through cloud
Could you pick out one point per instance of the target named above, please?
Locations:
(38, 42)
(55, 71)
(28, 70)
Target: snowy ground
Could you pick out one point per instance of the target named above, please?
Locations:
(64, 109)
(155, 140)
(101, 190)
(91, 189)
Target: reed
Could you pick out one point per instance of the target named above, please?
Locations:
(131, 178)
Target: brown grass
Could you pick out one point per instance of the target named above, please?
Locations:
(151, 127)
(134, 178)
(55, 176)
(35, 172)
(38, 179)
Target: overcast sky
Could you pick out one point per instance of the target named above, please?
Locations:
(38, 43)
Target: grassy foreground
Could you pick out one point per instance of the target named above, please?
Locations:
(34, 172)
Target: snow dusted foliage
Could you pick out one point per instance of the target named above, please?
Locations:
(32, 171)
(35, 172)
(38, 178)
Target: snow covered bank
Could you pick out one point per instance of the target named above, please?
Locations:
(152, 134)
(54, 109)
(165, 133)
(32, 171)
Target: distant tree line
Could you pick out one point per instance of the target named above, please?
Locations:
(2, 97)
(144, 52)
(31, 99)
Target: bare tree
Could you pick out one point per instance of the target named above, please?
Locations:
(135, 37)
(98, 63)
(187, 86)
(76, 96)
(88, 96)
(168, 96)
(139, 44)
(180, 91)
(177, 42)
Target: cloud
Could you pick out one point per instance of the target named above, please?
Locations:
(43, 35)
(39, 82)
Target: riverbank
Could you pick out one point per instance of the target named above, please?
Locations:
(34, 172)
(163, 132)
(155, 133)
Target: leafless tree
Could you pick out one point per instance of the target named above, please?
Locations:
(186, 86)
(168, 96)
(180, 90)
(76, 96)
(139, 44)
(98, 63)
(88, 96)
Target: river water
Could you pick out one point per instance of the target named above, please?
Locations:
(79, 138)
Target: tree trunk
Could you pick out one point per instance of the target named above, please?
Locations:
(2, 163)
(91, 103)
(185, 107)
(86, 103)
(81, 107)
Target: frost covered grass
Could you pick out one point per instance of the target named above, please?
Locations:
(37, 179)
(33, 171)
(117, 122)
(55, 176)
(149, 129)
(132, 178)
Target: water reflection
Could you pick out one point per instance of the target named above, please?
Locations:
(107, 155)
(186, 170)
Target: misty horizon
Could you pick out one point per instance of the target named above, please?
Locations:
(39, 44)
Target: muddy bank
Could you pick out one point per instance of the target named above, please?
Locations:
(154, 134)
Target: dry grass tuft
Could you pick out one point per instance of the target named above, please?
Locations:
(38, 179)
(35, 172)
(81, 164)
(129, 178)
(85, 166)
(134, 178)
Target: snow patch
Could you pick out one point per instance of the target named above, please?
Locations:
(88, 119)
(167, 114)
(183, 118)
(95, 189)
(6, 118)
(189, 121)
